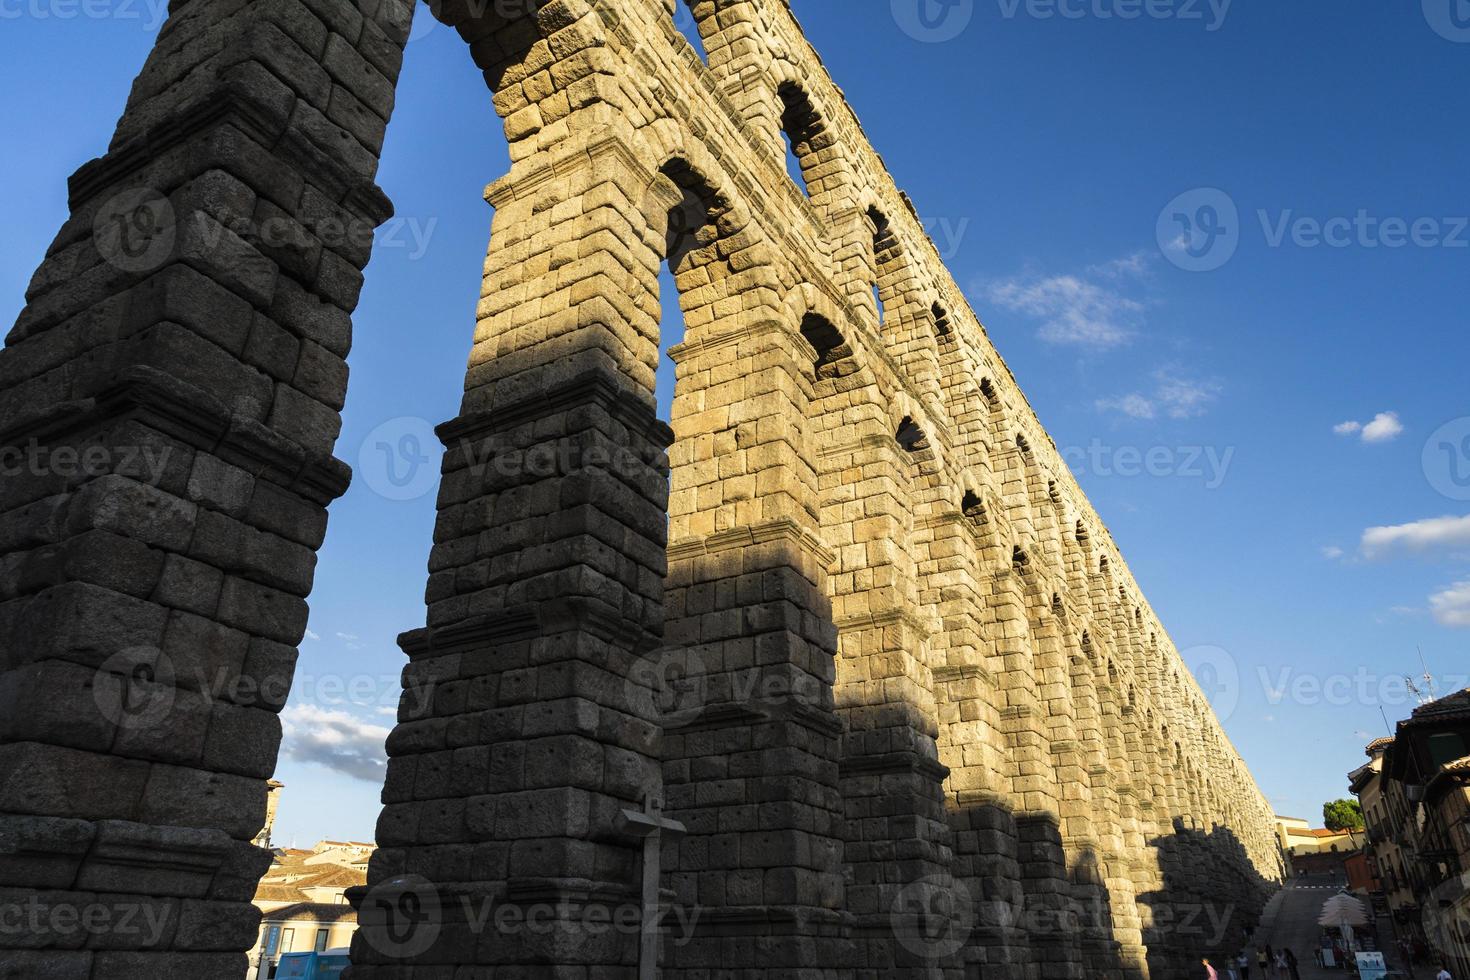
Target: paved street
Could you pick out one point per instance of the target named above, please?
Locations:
(1291, 923)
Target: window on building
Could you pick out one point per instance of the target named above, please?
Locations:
(1446, 747)
(272, 940)
(322, 935)
(288, 940)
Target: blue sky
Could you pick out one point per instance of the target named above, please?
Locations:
(1079, 172)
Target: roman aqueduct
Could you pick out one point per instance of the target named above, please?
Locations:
(849, 621)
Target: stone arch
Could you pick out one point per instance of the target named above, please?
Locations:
(807, 549)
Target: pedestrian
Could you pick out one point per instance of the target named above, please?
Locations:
(1291, 966)
(1317, 955)
(1243, 961)
(1280, 964)
(1210, 973)
(1444, 973)
(1263, 961)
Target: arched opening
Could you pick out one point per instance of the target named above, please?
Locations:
(805, 136)
(910, 436)
(831, 347)
(943, 329)
(887, 264)
(974, 508)
(688, 25)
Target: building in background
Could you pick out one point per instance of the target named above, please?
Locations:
(303, 902)
(1310, 850)
(1415, 792)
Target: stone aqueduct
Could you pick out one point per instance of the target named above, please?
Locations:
(924, 723)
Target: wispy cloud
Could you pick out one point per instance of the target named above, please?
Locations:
(350, 639)
(335, 739)
(1384, 427)
(1332, 552)
(1451, 607)
(1434, 534)
(1092, 308)
(312, 635)
(1173, 396)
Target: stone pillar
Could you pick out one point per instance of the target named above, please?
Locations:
(175, 381)
(545, 594)
(891, 780)
(751, 740)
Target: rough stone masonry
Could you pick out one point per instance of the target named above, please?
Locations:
(848, 626)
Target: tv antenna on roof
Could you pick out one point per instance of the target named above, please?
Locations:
(1414, 690)
(1428, 677)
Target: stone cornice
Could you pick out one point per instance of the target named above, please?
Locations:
(962, 672)
(197, 419)
(780, 529)
(588, 388)
(890, 763)
(231, 104)
(527, 622)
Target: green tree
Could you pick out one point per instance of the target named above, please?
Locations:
(1343, 815)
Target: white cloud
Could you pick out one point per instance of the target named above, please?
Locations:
(1452, 606)
(1090, 309)
(1438, 533)
(1384, 427)
(1173, 395)
(1332, 552)
(310, 635)
(335, 739)
(350, 639)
